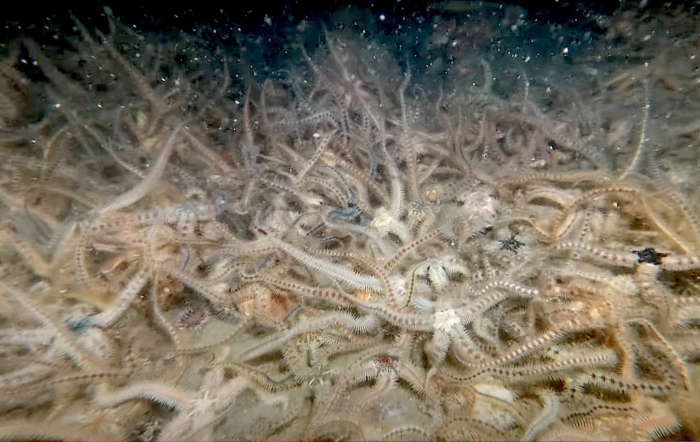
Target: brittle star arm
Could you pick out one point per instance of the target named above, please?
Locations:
(197, 410)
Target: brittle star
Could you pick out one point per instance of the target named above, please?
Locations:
(197, 410)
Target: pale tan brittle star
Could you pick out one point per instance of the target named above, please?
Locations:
(197, 410)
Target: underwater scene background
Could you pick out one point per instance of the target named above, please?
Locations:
(459, 220)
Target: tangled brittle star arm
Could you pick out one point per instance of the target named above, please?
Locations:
(197, 410)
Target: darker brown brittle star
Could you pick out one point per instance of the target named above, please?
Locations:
(649, 256)
(511, 244)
